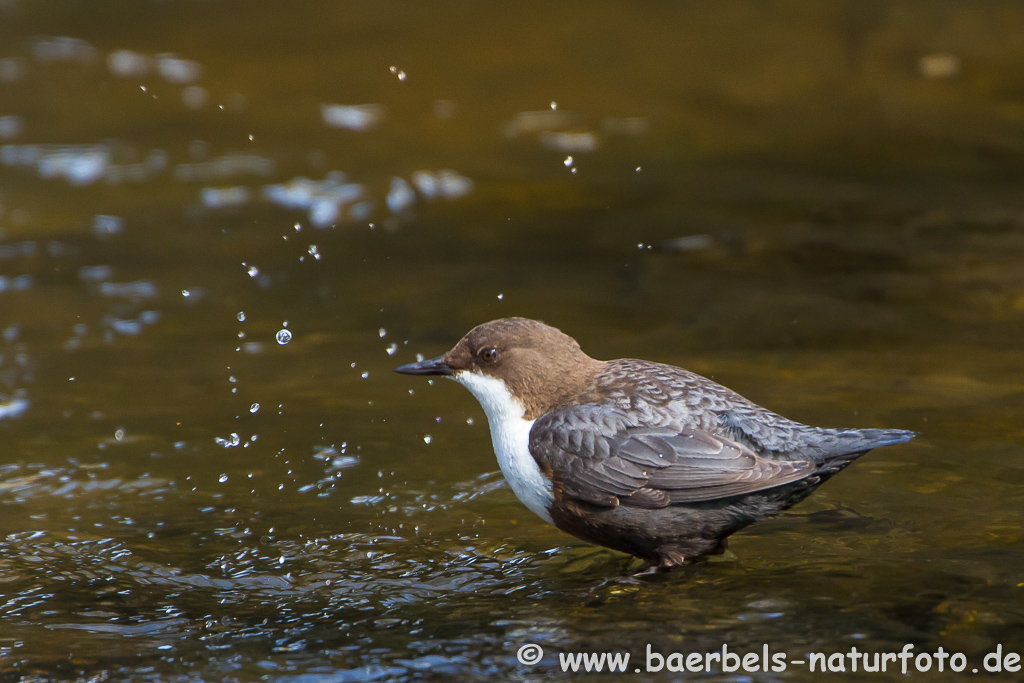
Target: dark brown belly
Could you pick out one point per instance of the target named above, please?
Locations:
(672, 535)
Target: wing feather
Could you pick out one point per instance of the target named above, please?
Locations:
(594, 453)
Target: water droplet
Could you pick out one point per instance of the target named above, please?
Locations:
(283, 337)
(280, 560)
(223, 478)
(398, 72)
(419, 357)
(254, 408)
(382, 332)
(232, 379)
(427, 438)
(568, 161)
(469, 420)
(298, 226)
(392, 349)
(637, 169)
(241, 316)
(365, 375)
(501, 296)
(573, 170)
(554, 105)
(314, 252)
(119, 435)
(253, 271)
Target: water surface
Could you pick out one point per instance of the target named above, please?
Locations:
(222, 225)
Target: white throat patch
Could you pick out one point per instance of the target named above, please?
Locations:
(510, 435)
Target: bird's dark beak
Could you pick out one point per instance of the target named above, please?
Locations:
(434, 366)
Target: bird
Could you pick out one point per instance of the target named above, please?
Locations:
(641, 457)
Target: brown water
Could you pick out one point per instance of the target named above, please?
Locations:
(818, 205)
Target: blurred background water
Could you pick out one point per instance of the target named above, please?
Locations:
(222, 224)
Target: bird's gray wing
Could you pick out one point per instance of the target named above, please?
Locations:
(597, 454)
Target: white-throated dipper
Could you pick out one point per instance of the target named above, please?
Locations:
(645, 458)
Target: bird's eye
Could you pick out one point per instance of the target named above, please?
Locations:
(489, 354)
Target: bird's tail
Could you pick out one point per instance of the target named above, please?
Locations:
(850, 443)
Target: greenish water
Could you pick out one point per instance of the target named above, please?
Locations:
(816, 205)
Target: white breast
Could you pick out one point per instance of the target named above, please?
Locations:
(510, 434)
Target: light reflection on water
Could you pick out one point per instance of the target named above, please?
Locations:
(216, 243)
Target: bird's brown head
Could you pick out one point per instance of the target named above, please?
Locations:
(541, 366)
